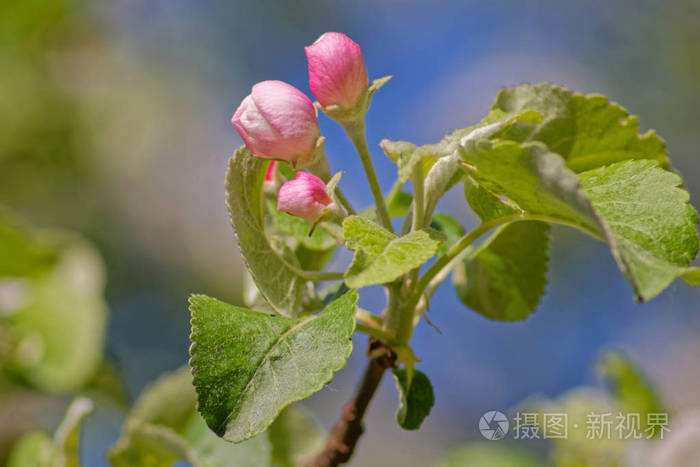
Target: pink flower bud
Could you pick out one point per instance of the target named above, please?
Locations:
(337, 72)
(277, 121)
(305, 196)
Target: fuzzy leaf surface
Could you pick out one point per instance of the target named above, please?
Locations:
(275, 274)
(249, 365)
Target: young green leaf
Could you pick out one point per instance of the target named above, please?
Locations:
(504, 279)
(534, 178)
(652, 226)
(589, 131)
(381, 256)
(407, 156)
(416, 398)
(248, 365)
(630, 387)
(276, 276)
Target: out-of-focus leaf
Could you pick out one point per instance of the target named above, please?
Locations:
(631, 388)
(295, 437)
(164, 427)
(31, 450)
(36, 449)
(58, 331)
(22, 252)
(589, 417)
(248, 365)
(489, 455)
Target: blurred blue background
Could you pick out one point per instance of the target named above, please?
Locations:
(147, 90)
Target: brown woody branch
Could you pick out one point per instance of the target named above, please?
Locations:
(343, 438)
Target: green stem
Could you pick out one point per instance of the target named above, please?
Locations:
(418, 197)
(377, 333)
(437, 267)
(356, 132)
(321, 275)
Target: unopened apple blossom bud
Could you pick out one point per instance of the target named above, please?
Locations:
(337, 72)
(304, 196)
(277, 121)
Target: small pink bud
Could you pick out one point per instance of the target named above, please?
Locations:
(337, 72)
(277, 121)
(305, 196)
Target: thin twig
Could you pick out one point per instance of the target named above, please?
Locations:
(343, 438)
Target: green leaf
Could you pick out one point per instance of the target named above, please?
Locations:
(362, 234)
(277, 276)
(630, 387)
(651, 225)
(589, 131)
(534, 178)
(248, 365)
(36, 449)
(58, 328)
(407, 156)
(164, 427)
(450, 228)
(416, 398)
(636, 206)
(381, 256)
(505, 278)
(489, 455)
(295, 437)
